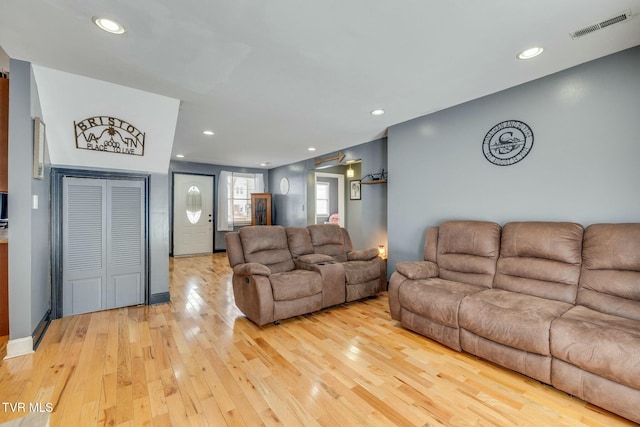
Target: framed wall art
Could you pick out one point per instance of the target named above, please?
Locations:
(354, 190)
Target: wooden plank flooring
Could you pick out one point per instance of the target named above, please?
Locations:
(198, 362)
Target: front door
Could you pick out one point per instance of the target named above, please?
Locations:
(192, 214)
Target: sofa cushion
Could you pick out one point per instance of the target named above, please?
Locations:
(516, 320)
(327, 239)
(348, 244)
(533, 365)
(295, 284)
(541, 259)
(267, 245)
(436, 299)
(467, 251)
(299, 241)
(610, 278)
(607, 394)
(431, 244)
(234, 248)
(357, 272)
(605, 345)
(297, 307)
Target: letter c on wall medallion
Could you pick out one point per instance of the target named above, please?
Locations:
(507, 142)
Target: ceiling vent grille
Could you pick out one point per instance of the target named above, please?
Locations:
(595, 27)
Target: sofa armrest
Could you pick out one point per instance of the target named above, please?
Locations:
(251, 268)
(418, 269)
(395, 282)
(314, 259)
(362, 255)
(253, 295)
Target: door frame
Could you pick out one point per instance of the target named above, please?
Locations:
(57, 175)
(214, 196)
(341, 203)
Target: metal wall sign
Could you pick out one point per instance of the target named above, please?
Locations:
(507, 143)
(339, 157)
(110, 135)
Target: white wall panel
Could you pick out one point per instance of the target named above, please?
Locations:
(67, 98)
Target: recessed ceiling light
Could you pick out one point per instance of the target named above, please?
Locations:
(208, 132)
(377, 112)
(265, 163)
(180, 156)
(530, 53)
(108, 25)
(311, 148)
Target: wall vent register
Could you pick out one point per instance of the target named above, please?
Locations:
(622, 17)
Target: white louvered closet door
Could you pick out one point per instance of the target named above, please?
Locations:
(125, 243)
(103, 244)
(84, 245)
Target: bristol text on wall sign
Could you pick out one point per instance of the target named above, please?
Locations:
(109, 134)
(508, 142)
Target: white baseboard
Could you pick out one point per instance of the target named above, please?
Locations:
(19, 347)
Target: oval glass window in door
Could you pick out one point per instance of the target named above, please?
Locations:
(194, 204)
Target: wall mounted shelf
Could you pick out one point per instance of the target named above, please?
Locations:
(379, 181)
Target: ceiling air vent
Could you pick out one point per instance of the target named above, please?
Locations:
(595, 27)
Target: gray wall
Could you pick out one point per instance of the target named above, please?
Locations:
(40, 231)
(366, 219)
(29, 285)
(290, 209)
(373, 206)
(158, 236)
(584, 165)
(204, 169)
(353, 215)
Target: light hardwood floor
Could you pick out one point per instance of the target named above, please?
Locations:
(197, 361)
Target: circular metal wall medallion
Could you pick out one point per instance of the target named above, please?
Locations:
(507, 142)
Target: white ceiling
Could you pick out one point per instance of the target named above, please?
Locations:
(274, 77)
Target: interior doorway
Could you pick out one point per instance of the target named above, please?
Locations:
(329, 203)
(193, 219)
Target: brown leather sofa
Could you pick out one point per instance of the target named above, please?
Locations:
(553, 301)
(280, 273)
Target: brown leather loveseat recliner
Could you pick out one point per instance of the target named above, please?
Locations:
(280, 273)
